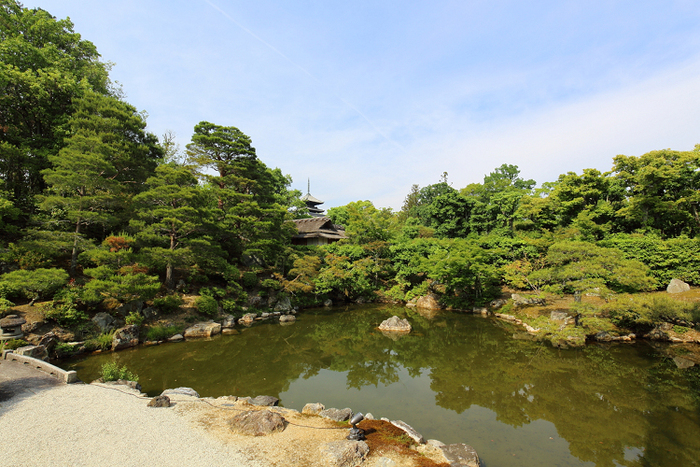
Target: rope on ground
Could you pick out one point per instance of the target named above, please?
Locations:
(183, 401)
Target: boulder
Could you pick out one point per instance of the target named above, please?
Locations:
(258, 422)
(183, 391)
(520, 300)
(562, 317)
(247, 318)
(428, 301)
(461, 455)
(35, 351)
(287, 319)
(410, 431)
(395, 324)
(149, 312)
(49, 341)
(344, 453)
(328, 303)
(314, 408)
(63, 335)
(176, 338)
(131, 307)
(603, 336)
(261, 401)
(159, 401)
(206, 329)
(683, 363)
(677, 286)
(104, 321)
(498, 303)
(482, 310)
(228, 322)
(125, 337)
(660, 332)
(336, 414)
(283, 304)
(255, 301)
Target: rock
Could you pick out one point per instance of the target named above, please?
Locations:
(683, 363)
(287, 319)
(261, 401)
(159, 401)
(562, 317)
(229, 331)
(461, 455)
(206, 329)
(660, 332)
(49, 341)
(411, 303)
(258, 422)
(344, 453)
(498, 303)
(603, 336)
(266, 315)
(283, 304)
(104, 321)
(395, 324)
(410, 431)
(133, 385)
(369, 416)
(35, 351)
(228, 322)
(176, 338)
(336, 414)
(328, 303)
(63, 335)
(254, 301)
(519, 300)
(247, 318)
(385, 462)
(480, 310)
(125, 337)
(183, 391)
(131, 307)
(149, 312)
(428, 301)
(313, 408)
(436, 443)
(677, 286)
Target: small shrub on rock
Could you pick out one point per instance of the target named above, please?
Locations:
(249, 279)
(207, 305)
(33, 284)
(168, 304)
(160, 333)
(112, 372)
(13, 344)
(65, 314)
(134, 318)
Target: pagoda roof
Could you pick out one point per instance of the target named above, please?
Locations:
(308, 198)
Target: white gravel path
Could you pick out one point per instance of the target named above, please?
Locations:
(87, 425)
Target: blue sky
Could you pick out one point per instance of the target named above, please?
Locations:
(366, 98)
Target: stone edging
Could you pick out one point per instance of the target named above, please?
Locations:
(67, 377)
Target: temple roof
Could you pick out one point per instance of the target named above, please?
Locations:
(319, 227)
(310, 199)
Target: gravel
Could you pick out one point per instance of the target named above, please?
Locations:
(89, 425)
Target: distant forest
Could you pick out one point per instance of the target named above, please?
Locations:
(95, 211)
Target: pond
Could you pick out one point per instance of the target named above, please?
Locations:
(456, 377)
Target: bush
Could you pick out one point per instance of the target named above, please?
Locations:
(113, 372)
(64, 350)
(5, 306)
(65, 314)
(249, 279)
(13, 344)
(207, 305)
(231, 307)
(101, 342)
(159, 333)
(134, 318)
(168, 304)
(32, 284)
(645, 312)
(270, 284)
(215, 292)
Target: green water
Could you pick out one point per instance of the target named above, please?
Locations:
(457, 378)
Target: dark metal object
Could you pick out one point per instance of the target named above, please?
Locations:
(356, 434)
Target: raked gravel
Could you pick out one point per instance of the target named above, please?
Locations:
(88, 425)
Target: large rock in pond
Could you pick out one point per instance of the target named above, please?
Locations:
(125, 337)
(313, 408)
(283, 304)
(104, 321)
(258, 422)
(677, 286)
(182, 391)
(428, 301)
(461, 455)
(228, 322)
(261, 401)
(395, 324)
(344, 453)
(409, 430)
(287, 318)
(206, 329)
(247, 319)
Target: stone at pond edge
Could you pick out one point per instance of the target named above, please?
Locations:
(461, 455)
(247, 318)
(395, 324)
(104, 321)
(410, 431)
(35, 351)
(428, 301)
(313, 408)
(336, 414)
(683, 363)
(258, 422)
(134, 385)
(677, 286)
(176, 338)
(206, 329)
(344, 453)
(228, 322)
(287, 319)
(182, 391)
(125, 337)
(159, 401)
(262, 401)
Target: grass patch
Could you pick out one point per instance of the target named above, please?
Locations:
(13, 344)
(160, 333)
(112, 372)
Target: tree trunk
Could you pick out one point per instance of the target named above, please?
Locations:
(169, 267)
(74, 254)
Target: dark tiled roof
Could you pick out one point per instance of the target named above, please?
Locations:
(318, 227)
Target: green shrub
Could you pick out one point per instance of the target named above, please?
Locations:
(207, 305)
(169, 303)
(13, 344)
(5, 306)
(231, 307)
(65, 314)
(215, 292)
(648, 311)
(134, 318)
(32, 284)
(249, 279)
(101, 342)
(159, 333)
(112, 372)
(270, 284)
(64, 350)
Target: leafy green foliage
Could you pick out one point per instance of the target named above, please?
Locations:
(102, 342)
(5, 306)
(249, 279)
(33, 284)
(168, 303)
(207, 305)
(644, 312)
(13, 344)
(65, 314)
(111, 371)
(134, 318)
(160, 333)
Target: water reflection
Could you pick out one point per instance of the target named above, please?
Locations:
(455, 377)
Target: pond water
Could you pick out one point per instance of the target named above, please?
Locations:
(456, 377)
